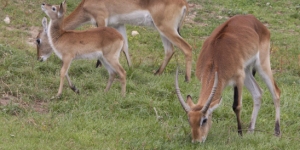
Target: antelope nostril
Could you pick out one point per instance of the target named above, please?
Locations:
(43, 4)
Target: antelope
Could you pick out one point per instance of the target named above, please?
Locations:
(227, 57)
(44, 49)
(166, 16)
(102, 43)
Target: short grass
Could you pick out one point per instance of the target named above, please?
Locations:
(97, 120)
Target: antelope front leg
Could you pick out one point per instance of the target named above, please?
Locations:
(63, 73)
(71, 85)
(61, 83)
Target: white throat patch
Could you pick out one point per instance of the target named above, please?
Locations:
(51, 42)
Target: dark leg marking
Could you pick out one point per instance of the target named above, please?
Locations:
(235, 98)
(75, 89)
(253, 72)
(234, 107)
(98, 64)
(277, 128)
(186, 78)
(178, 31)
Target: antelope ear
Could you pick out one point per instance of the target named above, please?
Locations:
(61, 10)
(45, 25)
(65, 6)
(189, 101)
(214, 105)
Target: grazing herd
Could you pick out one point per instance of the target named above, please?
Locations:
(229, 55)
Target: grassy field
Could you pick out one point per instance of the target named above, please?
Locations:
(97, 120)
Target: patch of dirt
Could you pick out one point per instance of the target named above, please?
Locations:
(189, 19)
(33, 31)
(193, 13)
(37, 106)
(40, 107)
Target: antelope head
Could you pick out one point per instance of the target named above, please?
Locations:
(199, 117)
(44, 49)
(55, 11)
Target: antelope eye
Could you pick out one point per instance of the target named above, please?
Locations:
(203, 121)
(53, 8)
(38, 41)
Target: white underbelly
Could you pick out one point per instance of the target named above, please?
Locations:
(138, 18)
(94, 55)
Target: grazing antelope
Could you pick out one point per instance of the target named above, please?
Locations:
(44, 49)
(164, 15)
(227, 57)
(103, 43)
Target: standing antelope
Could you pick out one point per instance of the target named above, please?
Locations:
(165, 15)
(227, 58)
(103, 43)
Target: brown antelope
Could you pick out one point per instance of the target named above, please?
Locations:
(44, 49)
(164, 15)
(227, 57)
(103, 43)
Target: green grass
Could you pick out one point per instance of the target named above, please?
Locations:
(97, 120)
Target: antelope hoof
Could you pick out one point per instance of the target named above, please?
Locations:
(58, 96)
(250, 131)
(187, 79)
(277, 133)
(75, 89)
(277, 129)
(40, 59)
(240, 132)
(157, 72)
(123, 94)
